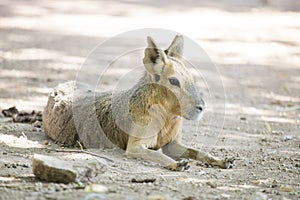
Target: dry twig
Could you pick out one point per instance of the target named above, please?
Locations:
(79, 151)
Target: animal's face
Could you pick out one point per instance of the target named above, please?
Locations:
(167, 69)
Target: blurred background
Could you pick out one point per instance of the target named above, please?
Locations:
(255, 43)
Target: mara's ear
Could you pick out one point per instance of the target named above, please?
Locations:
(176, 48)
(153, 55)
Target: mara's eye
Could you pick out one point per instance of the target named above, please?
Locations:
(174, 81)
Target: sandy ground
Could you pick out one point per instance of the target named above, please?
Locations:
(256, 49)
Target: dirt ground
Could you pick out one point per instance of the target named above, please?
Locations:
(256, 48)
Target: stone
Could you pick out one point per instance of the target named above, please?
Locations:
(286, 188)
(96, 188)
(156, 197)
(52, 169)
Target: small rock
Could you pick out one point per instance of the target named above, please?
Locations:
(96, 188)
(24, 165)
(46, 142)
(287, 137)
(51, 169)
(264, 140)
(243, 118)
(156, 197)
(286, 188)
(189, 198)
(146, 180)
(256, 182)
(37, 124)
(276, 192)
(200, 172)
(211, 184)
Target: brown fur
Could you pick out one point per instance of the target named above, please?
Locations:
(140, 120)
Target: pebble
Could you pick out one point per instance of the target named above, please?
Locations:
(200, 173)
(156, 197)
(264, 139)
(24, 165)
(189, 198)
(96, 188)
(15, 165)
(145, 180)
(211, 184)
(37, 124)
(286, 188)
(255, 182)
(287, 137)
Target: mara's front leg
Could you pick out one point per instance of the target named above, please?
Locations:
(136, 148)
(175, 149)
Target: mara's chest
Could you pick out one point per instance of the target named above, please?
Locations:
(168, 133)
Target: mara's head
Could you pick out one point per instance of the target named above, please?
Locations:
(166, 68)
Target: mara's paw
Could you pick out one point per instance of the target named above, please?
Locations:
(179, 166)
(227, 163)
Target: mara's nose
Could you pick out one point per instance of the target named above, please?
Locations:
(200, 107)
